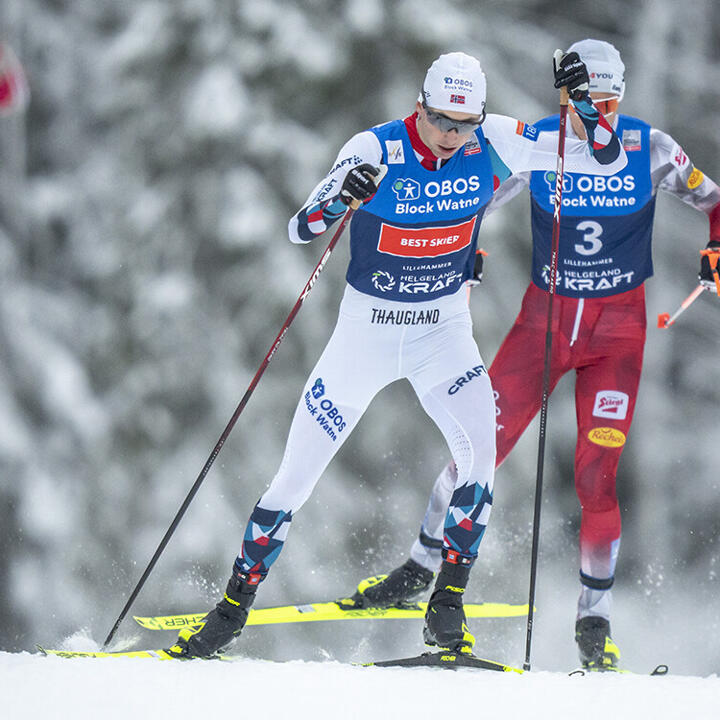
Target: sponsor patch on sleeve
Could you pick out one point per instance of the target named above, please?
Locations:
(527, 131)
(695, 179)
(678, 158)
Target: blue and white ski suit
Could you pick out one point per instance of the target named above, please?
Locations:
(405, 314)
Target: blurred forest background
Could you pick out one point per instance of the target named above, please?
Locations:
(145, 270)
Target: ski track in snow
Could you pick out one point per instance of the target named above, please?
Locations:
(34, 686)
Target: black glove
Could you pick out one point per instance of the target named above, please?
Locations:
(476, 278)
(571, 71)
(359, 184)
(706, 275)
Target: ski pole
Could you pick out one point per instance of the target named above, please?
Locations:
(228, 428)
(665, 320)
(546, 369)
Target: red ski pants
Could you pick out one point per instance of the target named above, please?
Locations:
(602, 340)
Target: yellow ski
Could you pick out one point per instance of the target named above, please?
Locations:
(156, 654)
(316, 612)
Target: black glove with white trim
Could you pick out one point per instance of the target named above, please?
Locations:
(359, 184)
(571, 71)
(706, 276)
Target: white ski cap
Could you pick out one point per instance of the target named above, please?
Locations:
(606, 69)
(455, 81)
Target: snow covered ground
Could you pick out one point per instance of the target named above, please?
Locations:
(33, 686)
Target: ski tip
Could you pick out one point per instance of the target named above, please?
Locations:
(661, 670)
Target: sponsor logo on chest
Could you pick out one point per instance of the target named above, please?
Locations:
(594, 191)
(631, 140)
(425, 242)
(414, 198)
(395, 152)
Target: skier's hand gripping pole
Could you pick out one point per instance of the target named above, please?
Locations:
(709, 266)
(353, 203)
(709, 280)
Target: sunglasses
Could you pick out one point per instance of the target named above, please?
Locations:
(446, 124)
(607, 107)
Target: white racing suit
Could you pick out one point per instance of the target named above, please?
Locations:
(405, 314)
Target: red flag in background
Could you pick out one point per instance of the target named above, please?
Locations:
(14, 93)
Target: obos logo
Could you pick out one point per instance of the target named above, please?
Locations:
(607, 437)
(406, 189)
(551, 178)
(318, 389)
(383, 281)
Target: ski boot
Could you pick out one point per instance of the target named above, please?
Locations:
(445, 623)
(398, 589)
(220, 625)
(595, 646)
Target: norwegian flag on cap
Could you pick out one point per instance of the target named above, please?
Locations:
(459, 99)
(14, 93)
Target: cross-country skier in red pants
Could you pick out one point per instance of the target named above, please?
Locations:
(598, 332)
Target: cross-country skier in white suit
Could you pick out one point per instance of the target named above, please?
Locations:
(405, 314)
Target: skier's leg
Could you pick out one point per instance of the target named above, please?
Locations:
(467, 420)
(605, 395)
(344, 381)
(516, 376)
(453, 386)
(427, 548)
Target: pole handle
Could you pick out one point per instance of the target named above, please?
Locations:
(382, 172)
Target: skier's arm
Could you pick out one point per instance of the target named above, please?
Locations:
(513, 186)
(671, 170)
(571, 73)
(324, 205)
(522, 148)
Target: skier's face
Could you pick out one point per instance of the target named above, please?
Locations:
(432, 126)
(606, 103)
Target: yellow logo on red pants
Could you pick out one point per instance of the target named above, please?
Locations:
(607, 437)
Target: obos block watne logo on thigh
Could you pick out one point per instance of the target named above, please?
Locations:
(325, 412)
